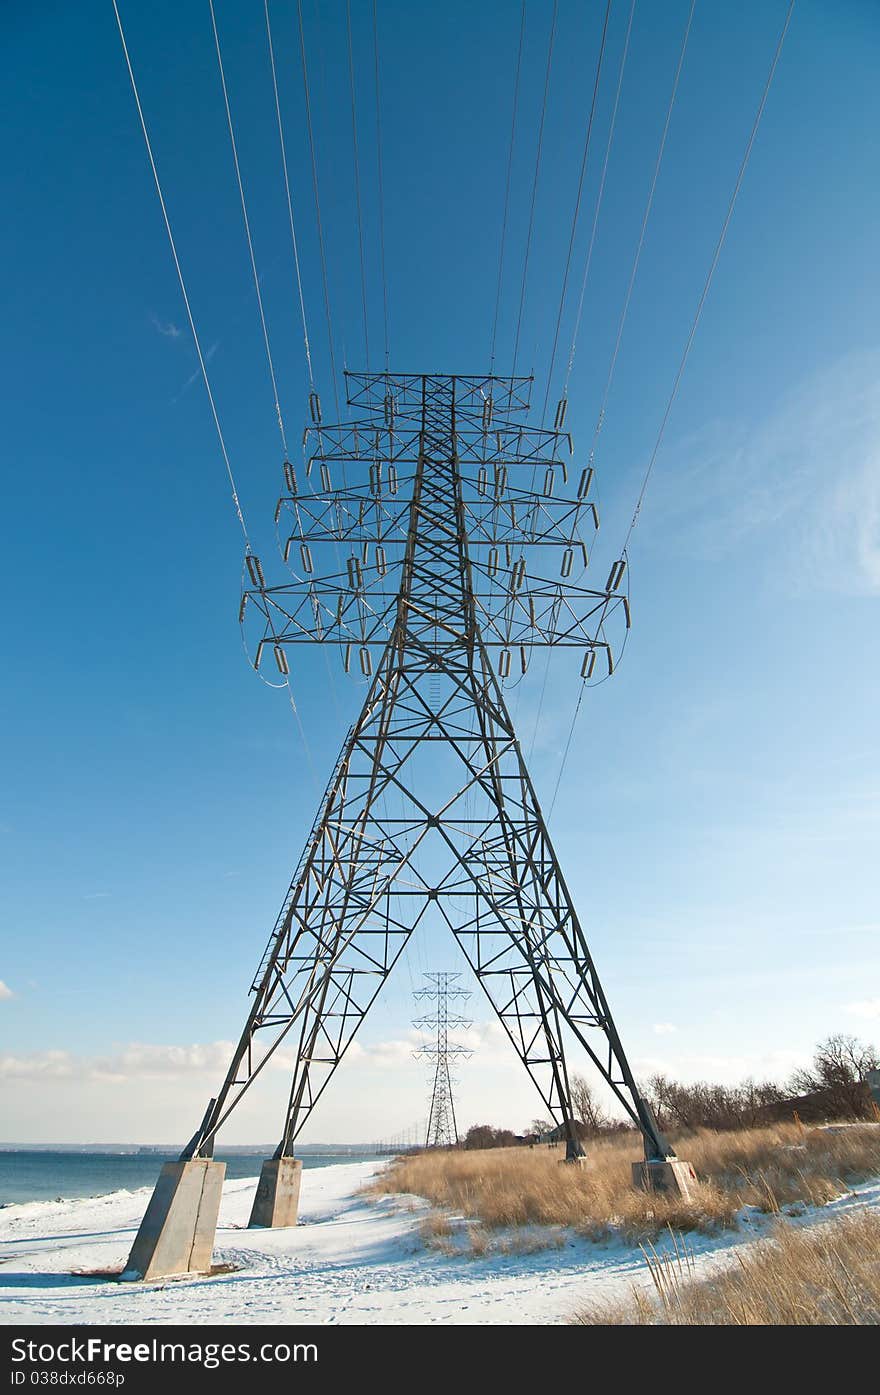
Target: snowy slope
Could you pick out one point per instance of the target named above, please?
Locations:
(350, 1260)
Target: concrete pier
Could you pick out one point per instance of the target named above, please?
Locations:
(669, 1175)
(176, 1235)
(277, 1199)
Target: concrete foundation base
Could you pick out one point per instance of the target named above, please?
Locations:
(574, 1162)
(671, 1175)
(176, 1235)
(277, 1200)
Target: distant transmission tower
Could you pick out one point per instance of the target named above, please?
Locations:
(442, 1130)
(435, 539)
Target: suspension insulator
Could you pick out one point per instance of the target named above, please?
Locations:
(487, 413)
(389, 409)
(381, 562)
(567, 561)
(242, 608)
(549, 479)
(346, 658)
(615, 576)
(492, 561)
(585, 481)
(523, 658)
(610, 658)
(561, 409)
(532, 620)
(287, 546)
(315, 408)
(392, 479)
(517, 576)
(627, 612)
(500, 478)
(595, 513)
(504, 663)
(354, 573)
(278, 510)
(305, 554)
(325, 478)
(585, 554)
(258, 657)
(481, 480)
(290, 476)
(255, 570)
(376, 476)
(589, 664)
(281, 660)
(366, 662)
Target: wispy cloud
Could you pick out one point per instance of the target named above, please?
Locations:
(868, 1009)
(810, 474)
(5, 991)
(168, 329)
(664, 1029)
(209, 354)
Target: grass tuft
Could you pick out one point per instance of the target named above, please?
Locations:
(828, 1275)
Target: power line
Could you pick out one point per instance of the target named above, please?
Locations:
(189, 314)
(247, 228)
(577, 207)
(522, 25)
(613, 123)
(357, 183)
(681, 367)
(522, 294)
(711, 272)
(629, 290)
(299, 285)
(305, 73)
(381, 188)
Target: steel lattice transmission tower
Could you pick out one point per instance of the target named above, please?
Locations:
(442, 1130)
(436, 540)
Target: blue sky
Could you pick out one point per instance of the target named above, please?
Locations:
(718, 818)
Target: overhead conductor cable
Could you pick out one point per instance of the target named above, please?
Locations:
(247, 228)
(189, 314)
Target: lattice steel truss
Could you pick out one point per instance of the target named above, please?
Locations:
(442, 1129)
(434, 550)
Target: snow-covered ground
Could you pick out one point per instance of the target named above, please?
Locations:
(350, 1260)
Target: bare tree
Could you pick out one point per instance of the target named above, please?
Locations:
(840, 1065)
(585, 1105)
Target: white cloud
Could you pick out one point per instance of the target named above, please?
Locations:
(810, 474)
(135, 1061)
(664, 1029)
(868, 1009)
(5, 991)
(169, 329)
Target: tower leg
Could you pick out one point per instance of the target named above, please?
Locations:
(176, 1235)
(276, 1202)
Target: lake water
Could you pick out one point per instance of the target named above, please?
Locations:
(47, 1176)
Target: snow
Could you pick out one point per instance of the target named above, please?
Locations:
(351, 1259)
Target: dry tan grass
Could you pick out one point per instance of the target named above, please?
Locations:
(829, 1275)
(767, 1168)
